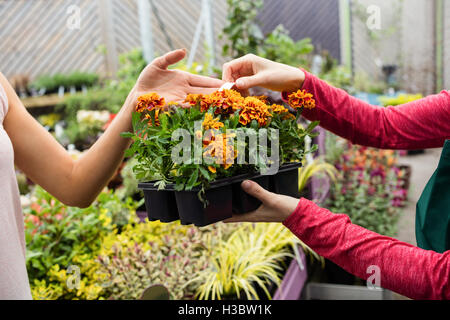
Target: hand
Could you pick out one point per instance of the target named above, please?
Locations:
(173, 85)
(252, 71)
(274, 208)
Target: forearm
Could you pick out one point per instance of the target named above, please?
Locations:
(420, 124)
(405, 269)
(95, 168)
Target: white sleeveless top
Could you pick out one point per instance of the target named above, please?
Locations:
(13, 273)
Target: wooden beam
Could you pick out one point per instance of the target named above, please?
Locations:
(50, 100)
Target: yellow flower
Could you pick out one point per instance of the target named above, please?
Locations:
(221, 150)
(277, 108)
(212, 169)
(211, 123)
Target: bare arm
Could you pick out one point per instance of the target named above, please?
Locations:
(77, 183)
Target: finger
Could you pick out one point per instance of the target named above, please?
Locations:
(227, 72)
(202, 81)
(169, 58)
(255, 190)
(246, 83)
(242, 66)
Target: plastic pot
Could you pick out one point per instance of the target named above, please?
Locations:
(160, 204)
(285, 182)
(242, 201)
(224, 197)
(192, 211)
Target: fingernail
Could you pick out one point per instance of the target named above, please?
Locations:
(246, 184)
(240, 83)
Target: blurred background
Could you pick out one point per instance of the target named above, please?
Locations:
(43, 37)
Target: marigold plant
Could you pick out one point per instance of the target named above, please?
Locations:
(213, 127)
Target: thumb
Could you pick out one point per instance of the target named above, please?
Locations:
(245, 83)
(169, 58)
(255, 190)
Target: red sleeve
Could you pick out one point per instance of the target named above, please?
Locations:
(404, 268)
(420, 124)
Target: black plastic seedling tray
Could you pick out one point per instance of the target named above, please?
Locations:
(224, 196)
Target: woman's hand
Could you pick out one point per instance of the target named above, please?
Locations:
(274, 208)
(173, 85)
(253, 71)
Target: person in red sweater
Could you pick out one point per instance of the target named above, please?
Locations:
(404, 268)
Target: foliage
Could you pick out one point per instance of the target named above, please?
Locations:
(242, 31)
(170, 261)
(58, 236)
(314, 168)
(49, 120)
(223, 115)
(335, 148)
(279, 46)
(245, 36)
(75, 79)
(89, 257)
(252, 255)
(339, 77)
(108, 97)
(364, 83)
(400, 99)
(369, 189)
(129, 186)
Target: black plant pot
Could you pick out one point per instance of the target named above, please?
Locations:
(285, 182)
(160, 204)
(192, 211)
(224, 197)
(242, 201)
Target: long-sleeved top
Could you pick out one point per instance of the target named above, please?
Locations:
(403, 268)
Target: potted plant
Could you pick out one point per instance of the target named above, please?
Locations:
(191, 161)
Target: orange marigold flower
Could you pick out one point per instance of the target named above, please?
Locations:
(211, 123)
(254, 109)
(262, 98)
(288, 116)
(212, 169)
(149, 102)
(277, 108)
(193, 99)
(226, 101)
(221, 149)
(150, 120)
(301, 99)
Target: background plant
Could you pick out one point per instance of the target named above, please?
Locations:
(369, 188)
(254, 255)
(58, 236)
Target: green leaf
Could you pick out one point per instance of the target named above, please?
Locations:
(127, 135)
(205, 173)
(192, 180)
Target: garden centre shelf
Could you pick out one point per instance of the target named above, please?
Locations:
(225, 197)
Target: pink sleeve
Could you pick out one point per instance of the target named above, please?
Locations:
(404, 268)
(420, 124)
